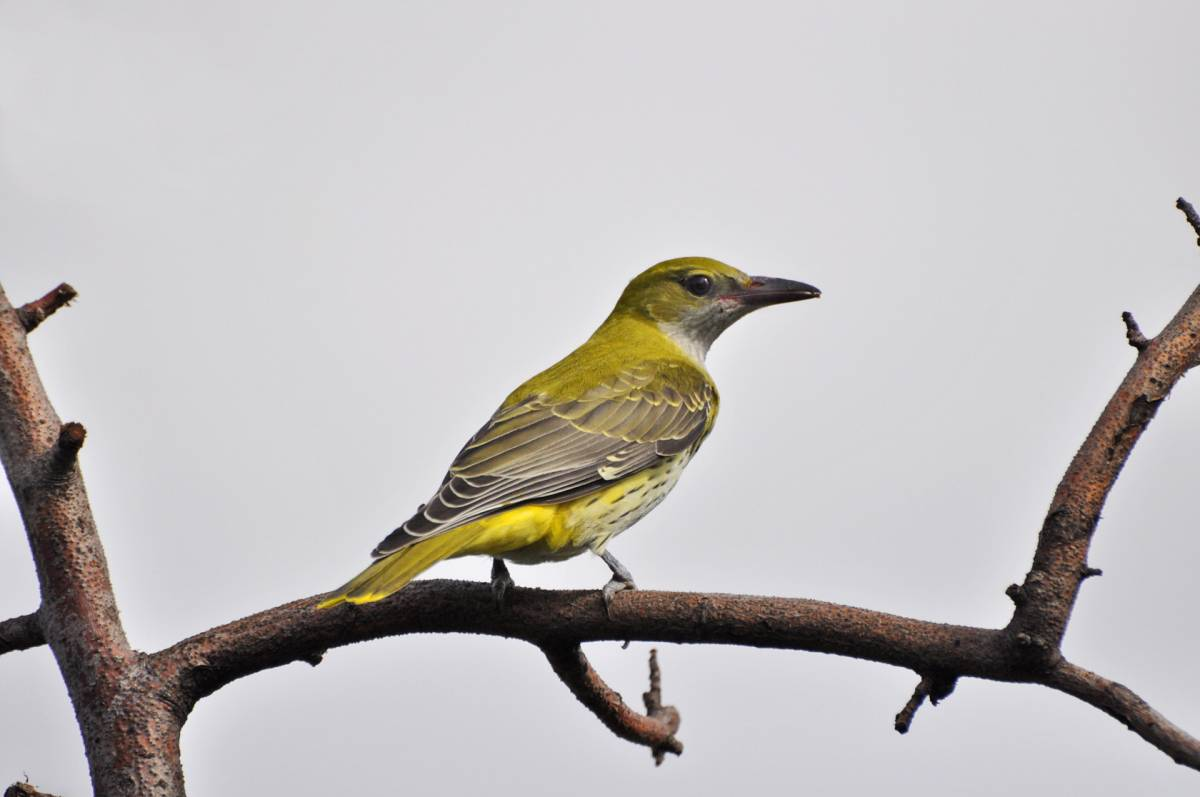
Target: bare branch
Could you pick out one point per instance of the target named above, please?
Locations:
(37, 311)
(105, 678)
(1189, 213)
(561, 620)
(1044, 602)
(655, 729)
(1122, 704)
(297, 630)
(21, 633)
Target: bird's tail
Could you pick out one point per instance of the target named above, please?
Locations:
(393, 572)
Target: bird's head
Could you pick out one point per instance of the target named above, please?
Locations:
(695, 299)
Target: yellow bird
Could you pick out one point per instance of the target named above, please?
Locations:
(582, 451)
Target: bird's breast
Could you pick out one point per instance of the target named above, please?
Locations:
(594, 519)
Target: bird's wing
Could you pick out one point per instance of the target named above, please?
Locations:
(543, 451)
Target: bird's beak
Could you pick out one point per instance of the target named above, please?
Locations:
(762, 291)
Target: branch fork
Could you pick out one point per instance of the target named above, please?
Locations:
(655, 729)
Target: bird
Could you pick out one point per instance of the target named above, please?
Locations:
(585, 449)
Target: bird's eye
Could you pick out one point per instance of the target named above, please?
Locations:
(698, 284)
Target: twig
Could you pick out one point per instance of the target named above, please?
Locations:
(21, 633)
(70, 439)
(1189, 213)
(668, 715)
(936, 688)
(1133, 333)
(1123, 705)
(25, 790)
(655, 729)
(37, 311)
(905, 717)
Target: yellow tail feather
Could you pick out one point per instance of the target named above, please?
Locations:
(392, 573)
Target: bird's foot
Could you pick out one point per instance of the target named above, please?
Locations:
(614, 585)
(501, 581)
(622, 579)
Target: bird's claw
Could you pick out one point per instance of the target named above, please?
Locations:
(610, 589)
(621, 579)
(501, 581)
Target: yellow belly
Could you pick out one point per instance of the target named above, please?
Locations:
(553, 532)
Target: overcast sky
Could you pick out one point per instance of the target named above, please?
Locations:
(316, 244)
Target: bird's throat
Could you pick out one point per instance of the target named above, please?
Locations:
(693, 343)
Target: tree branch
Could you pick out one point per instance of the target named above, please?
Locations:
(37, 311)
(1123, 705)
(654, 729)
(297, 631)
(21, 633)
(109, 686)
(560, 620)
(1060, 561)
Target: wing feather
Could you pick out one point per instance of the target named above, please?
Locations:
(514, 432)
(539, 450)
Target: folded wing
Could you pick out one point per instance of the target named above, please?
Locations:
(543, 451)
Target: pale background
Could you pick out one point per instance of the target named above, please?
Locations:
(317, 243)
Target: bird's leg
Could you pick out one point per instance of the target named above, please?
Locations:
(501, 581)
(622, 579)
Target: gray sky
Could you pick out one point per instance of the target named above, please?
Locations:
(317, 243)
